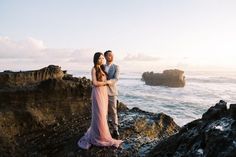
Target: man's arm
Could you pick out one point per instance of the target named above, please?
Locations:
(117, 75)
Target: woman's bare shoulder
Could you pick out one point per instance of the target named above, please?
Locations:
(93, 69)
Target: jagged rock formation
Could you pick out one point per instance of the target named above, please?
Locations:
(46, 115)
(45, 99)
(212, 135)
(142, 130)
(170, 78)
(9, 78)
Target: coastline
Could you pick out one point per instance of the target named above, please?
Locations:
(47, 117)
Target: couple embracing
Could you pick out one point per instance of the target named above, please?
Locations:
(104, 101)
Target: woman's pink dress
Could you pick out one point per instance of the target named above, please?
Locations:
(98, 133)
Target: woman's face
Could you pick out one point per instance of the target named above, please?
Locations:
(100, 60)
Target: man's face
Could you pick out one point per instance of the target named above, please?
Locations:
(109, 57)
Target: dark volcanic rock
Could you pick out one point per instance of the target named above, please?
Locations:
(216, 112)
(39, 103)
(232, 110)
(212, 136)
(47, 115)
(170, 78)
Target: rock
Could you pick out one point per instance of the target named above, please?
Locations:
(9, 78)
(121, 106)
(170, 78)
(211, 136)
(232, 110)
(216, 111)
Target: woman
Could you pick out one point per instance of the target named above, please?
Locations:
(98, 133)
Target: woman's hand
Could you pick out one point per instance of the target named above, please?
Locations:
(108, 82)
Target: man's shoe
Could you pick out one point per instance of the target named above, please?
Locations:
(116, 134)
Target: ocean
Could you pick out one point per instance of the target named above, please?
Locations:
(202, 90)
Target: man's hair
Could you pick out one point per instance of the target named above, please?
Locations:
(105, 53)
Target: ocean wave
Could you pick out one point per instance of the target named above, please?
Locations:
(212, 80)
(191, 78)
(130, 78)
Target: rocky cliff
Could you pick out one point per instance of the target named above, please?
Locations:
(44, 112)
(170, 78)
(214, 135)
(22, 78)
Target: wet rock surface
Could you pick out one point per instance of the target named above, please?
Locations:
(48, 116)
(170, 78)
(214, 135)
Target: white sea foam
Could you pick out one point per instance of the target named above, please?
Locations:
(200, 151)
(219, 128)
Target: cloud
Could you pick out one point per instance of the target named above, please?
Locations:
(21, 49)
(33, 53)
(82, 56)
(140, 57)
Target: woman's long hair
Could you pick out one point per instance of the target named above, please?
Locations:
(100, 70)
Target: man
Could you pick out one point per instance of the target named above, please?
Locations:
(113, 75)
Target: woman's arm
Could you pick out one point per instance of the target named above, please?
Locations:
(95, 81)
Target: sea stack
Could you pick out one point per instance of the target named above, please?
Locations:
(170, 78)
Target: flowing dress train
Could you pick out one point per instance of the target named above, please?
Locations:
(98, 133)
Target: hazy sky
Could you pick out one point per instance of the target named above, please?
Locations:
(145, 35)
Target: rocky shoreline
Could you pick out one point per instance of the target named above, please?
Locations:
(46, 112)
(214, 135)
(45, 116)
(60, 139)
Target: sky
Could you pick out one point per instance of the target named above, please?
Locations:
(144, 35)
